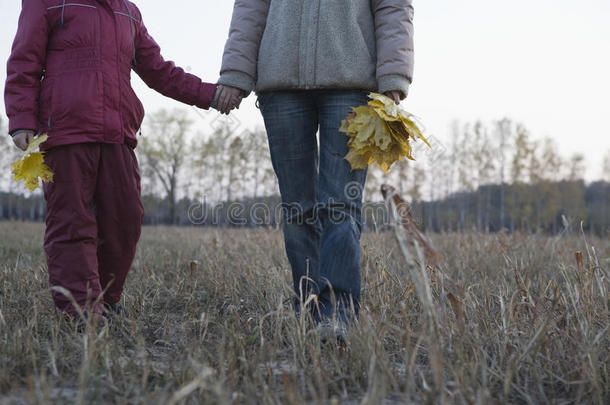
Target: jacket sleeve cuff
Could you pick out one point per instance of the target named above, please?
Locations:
(206, 95)
(240, 80)
(22, 121)
(17, 132)
(394, 82)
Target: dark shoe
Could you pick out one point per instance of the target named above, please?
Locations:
(330, 330)
(94, 321)
(114, 310)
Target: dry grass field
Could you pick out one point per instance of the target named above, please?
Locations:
(505, 319)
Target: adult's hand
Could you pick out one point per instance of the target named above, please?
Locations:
(227, 98)
(394, 95)
(23, 138)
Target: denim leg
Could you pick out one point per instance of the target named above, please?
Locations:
(291, 122)
(340, 201)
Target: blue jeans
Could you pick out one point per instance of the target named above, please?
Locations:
(321, 195)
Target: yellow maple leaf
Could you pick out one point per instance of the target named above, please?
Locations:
(32, 167)
(380, 133)
(357, 160)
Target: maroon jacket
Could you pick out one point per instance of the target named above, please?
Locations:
(69, 72)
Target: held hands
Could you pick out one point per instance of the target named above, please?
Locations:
(227, 98)
(23, 138)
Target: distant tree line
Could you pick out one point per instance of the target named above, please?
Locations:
(534, 208)
(489, 177)
(548, 208)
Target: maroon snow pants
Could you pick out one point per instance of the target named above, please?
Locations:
(94, 218)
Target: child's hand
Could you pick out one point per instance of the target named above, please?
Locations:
(227, 98)
(23, 138)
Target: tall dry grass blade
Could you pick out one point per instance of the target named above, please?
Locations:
(579, 261)
(401, 213)
(514, 364)
(458, 310)
(200, 381)
(417, 269)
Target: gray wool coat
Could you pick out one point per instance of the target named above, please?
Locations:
(320, 44)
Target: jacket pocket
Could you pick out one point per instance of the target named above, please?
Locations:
(278, 56)
(77, 102)
(133, 111)
(346, 48)
(45, 101)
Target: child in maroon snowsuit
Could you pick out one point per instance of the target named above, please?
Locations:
(69, 76)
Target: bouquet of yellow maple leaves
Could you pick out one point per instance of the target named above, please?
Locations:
(380, 132)
(32, 167)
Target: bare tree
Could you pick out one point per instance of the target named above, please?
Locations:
(258, 170)
(211, 161)
(235, 159)
(164, 152)
(576, 167)
(503, 132)
(606, 167)
(484, 165)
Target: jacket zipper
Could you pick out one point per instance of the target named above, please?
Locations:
(101, 47)
(313, 16)
(118, 67)
(315, 45)
(302, 50)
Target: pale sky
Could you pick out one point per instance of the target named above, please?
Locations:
(545, 63)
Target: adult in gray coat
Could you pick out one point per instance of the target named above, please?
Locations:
(309, 63)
